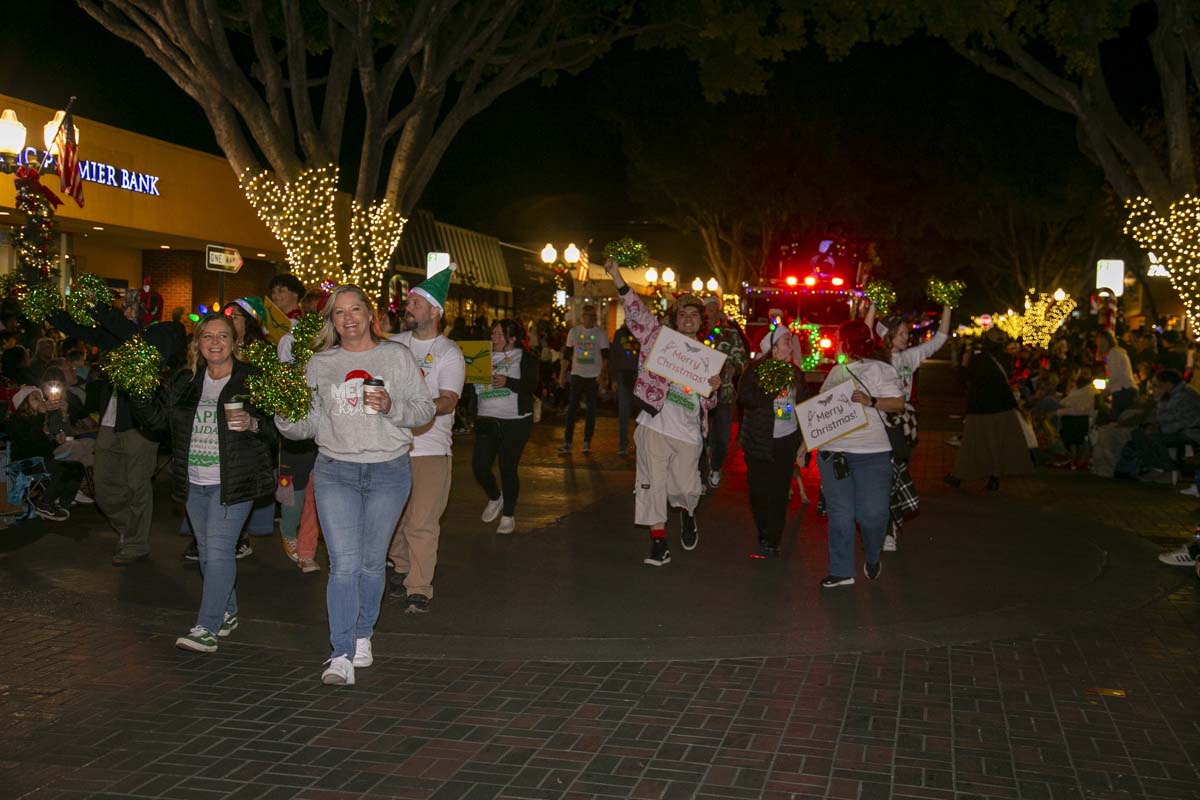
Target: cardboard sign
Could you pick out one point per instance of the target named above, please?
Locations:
(478, 356)
(830, 415)
(685, 361)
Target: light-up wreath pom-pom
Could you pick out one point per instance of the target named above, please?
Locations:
(629, 253)
(304, 334)
(773, 375)
(945, 293)
(882, 295)
(87, 291)
(39, 301)
(261, 354)
(133, 368)
(281, 390)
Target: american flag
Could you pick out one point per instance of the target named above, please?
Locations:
(584, 266)
(68, 160)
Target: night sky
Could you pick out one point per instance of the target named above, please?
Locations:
(541, 164)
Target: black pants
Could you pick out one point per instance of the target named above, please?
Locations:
(588, 388)
(769, 481)
(503, 439)
(65, 479)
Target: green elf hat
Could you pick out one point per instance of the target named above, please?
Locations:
(435, 287)
(254, 307)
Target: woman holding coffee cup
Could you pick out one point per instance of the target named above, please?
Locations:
(368, 395)
(224, 457)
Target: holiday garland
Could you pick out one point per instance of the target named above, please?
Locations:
(304, 334)
(945, 293)
(87, 291)
(33, 239)
(39, 301)
(133, 368)
(279, 388)
(882, 295)
(773, 375)
(628, 253)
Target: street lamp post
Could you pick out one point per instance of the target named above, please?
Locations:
(13, 135)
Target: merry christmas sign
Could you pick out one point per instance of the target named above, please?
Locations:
(830, 415)
(684, 360)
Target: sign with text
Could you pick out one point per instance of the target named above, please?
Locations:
(478, 357)
(222, 259)
(685, 361)
(830, 415)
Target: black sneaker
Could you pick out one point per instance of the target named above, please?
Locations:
(830, 581)
(396, 580)
(872, 570)
(50, 510)
(243, 548)
(689, 535)
(416, 604)
(192, 553)
(659, 554)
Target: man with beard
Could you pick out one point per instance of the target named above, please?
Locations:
(414, 547)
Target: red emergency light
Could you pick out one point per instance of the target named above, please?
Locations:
(826, 343)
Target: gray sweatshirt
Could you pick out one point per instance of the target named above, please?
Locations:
(337, 421)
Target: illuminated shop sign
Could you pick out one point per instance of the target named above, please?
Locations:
(97, 172)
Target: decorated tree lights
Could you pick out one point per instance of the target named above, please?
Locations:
(375, 233)
(300, 213)
(1044, 315)
(1175, 239)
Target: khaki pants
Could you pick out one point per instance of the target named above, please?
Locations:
(124, 469)
(414, 546)
(668, 473)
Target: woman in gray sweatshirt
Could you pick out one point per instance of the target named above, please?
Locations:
(367, 396)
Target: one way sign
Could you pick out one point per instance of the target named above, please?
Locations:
(222, 259)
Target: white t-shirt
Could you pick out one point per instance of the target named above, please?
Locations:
(204, 453)
(444, 369)
(679, 418)
(587, 344)
(109, 420)
(880, 380)
(907, 361)
(785, 413)
(500, 402)
(1120, 373)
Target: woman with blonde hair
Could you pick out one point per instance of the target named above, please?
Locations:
(368, 395)
(223, 460)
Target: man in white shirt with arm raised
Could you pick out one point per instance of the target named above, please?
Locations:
(414, 547)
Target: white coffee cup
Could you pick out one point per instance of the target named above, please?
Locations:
(233, 407)
(370, 386)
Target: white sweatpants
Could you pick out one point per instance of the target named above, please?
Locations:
(668, 473)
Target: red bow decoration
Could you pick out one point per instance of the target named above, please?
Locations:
(33, 182)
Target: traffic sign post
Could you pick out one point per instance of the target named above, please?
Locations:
(222, 260)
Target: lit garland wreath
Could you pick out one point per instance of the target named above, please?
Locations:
(629, 253)
(87, 291)
(945, 293)
(282, 390)
(882, 295)
(39, 301)
(304, 334)
(773, 375)
(133, 368)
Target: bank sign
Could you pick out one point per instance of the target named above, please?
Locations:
(97, 172)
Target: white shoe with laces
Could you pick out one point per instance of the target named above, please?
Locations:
(714, 478)
(1181, 557)
(492, 509)
(507, 525)
(82, 497)
(1191, 491)
(340, 672)
(362, 653)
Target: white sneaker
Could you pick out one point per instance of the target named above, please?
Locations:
(714, 478)
(889, 544)
(340, 672)
(507, 525)
(1178, 558)
(954, 440)
(1191, 491)
(492, 509)
(82, 497)
(362, 653)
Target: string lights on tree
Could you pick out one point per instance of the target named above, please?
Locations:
(1175, 239)
(375, 233)
(300, 213)
(1044, 315)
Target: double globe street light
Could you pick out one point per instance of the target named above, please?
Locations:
(570, 254)
(12, 139)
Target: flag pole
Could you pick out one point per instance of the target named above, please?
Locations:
(66, 115)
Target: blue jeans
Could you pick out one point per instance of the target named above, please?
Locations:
(217, 528)
(359, 506)
(863, 496)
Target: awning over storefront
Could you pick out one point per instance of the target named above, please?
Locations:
(480, 262)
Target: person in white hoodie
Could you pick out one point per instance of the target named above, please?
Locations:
(894, 333)
(368, 395)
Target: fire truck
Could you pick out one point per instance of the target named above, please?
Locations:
(812, 287)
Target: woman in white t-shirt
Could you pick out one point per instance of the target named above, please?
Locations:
(504, 422)
(856, 469)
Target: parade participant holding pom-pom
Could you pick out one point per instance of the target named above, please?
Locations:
(368, 395)
(223, 460)
(770, 434)
(670, 430)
